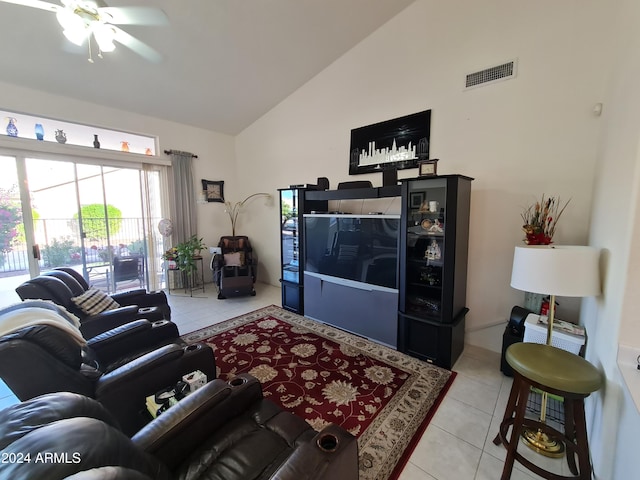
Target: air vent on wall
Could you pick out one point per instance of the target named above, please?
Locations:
(491, 75)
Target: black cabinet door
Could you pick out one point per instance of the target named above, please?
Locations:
(292, 208)
(434, 241)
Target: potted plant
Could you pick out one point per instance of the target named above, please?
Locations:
(186, 254)
(540, 220)
(539, 225)
(170, 256)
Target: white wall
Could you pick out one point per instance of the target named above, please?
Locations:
(216, 152)
(517, 138)
(613, 420)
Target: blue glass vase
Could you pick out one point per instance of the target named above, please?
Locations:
(12, 130)
(39, 131)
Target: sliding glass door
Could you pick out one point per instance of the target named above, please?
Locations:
(14, 259)
(54, 204)
(92, 218)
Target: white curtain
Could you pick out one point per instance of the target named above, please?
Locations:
(153, 204)
(182, 205)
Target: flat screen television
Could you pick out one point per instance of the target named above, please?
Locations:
(391, 145)
(358, 248)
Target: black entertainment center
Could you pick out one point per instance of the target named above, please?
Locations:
(397, 279)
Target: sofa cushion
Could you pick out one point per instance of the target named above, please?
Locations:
(235, 259)
(93, 301)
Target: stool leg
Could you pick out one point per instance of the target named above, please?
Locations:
(570, 433)
(510, 408)
(523, 395)
(582, 443)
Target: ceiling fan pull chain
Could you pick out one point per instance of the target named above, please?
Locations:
(89, 43)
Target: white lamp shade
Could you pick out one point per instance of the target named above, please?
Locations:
(561, 270)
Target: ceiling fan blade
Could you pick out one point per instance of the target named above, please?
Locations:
(51, 7)
(135, 16)
(141, 48)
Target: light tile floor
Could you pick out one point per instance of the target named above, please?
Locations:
(457, 445)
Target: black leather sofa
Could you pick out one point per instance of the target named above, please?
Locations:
(136, 296)
(225, 430)
(61, 286)
(120, 367)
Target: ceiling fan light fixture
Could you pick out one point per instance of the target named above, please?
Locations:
(75, 36)
(73, 26)
(82, 19)
(104, 35)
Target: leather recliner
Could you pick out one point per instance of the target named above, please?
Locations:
(61, 287)
(136, 296)
(224, 430)
(136, 336)
(120, 367)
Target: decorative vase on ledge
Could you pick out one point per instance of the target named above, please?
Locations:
(39, 132)
(61, 137)
(12, 130)
(96, 142)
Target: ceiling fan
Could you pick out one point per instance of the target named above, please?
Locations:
(86, 19)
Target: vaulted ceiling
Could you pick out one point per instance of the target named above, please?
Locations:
(224, 63)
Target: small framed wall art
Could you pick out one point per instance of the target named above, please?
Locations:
(428, 168)
(416, 199)
(213, 190)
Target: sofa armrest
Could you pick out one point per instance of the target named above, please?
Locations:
(133, 336)
(142, 298)
(93, 325)
(175, 434)
(331, 453)
(123, 391)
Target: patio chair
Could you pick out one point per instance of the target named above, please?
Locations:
(127, 268)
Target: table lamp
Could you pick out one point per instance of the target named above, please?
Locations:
(554, 270)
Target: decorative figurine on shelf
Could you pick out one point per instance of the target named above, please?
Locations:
(12, 130)
(61, 137)
(436, 227)
(148, 152)
(96, 142)
(124, 146)
(39, 132)
(433, 251)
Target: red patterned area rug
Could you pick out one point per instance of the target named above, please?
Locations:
(326, 375)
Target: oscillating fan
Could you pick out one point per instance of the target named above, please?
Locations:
(165, 227)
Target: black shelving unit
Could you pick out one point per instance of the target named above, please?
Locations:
(292, 245)
(433, 267)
